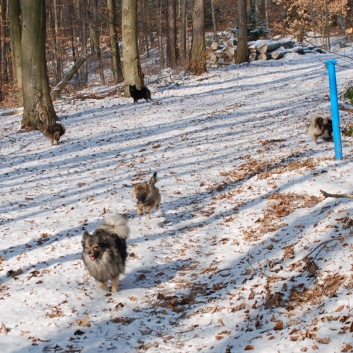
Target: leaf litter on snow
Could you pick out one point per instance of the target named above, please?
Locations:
(245, 253)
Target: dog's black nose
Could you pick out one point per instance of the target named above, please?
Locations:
(141, 198)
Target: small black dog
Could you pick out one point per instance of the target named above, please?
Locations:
(143, 93)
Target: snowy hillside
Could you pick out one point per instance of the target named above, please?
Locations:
(235, 259)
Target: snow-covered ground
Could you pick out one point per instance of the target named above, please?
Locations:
(226, 264)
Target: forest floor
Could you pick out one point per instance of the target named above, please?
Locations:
(245, 253)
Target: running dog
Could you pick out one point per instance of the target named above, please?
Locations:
(147, 196)
(104, 252)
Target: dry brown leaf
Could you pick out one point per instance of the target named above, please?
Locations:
(279, 325)
(339, 309)
(3, 330)
(324, 340)
(347, 348)
(83, 322)
(249, 347)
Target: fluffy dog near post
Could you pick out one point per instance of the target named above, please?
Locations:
(147, 196)
(320, 127)
(143, 93)
(52, 132)
(104, 252)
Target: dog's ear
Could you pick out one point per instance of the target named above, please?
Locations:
(153, 180)
(86, 234)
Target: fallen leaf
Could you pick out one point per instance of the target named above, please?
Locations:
(83, 322)
(347, 348)
(3, 330)
(325, 340)
(279, 325)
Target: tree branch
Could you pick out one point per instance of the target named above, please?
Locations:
(337, 196)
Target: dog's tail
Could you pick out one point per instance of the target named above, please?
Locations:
(153, 179)
(119, 224)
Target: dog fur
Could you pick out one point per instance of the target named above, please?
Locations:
(147, 196)
(320, 127)
(143, 93)
(52, 132)
(104, 252)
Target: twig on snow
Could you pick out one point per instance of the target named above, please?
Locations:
(337, 196)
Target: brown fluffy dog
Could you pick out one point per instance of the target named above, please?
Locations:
(320, 127)
(147, 196)
(52, 132)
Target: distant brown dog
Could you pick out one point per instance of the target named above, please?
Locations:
(52, 132)
(320, 127)
(147, 196)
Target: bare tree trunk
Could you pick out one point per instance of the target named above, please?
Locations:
(132, 69)
(171, 35)
(67, 78)
(73, 31)
(183, 32)
(197, 63)
(82, 13)
(214, 23)
(58, 43)
(260, 12)
(94, 36)
(15, 30)
(242, 50)
(160, 36)
(5, 51)
(116, 62)
(326, 37)
(38, 108)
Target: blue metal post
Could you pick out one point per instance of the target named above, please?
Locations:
(334, 108)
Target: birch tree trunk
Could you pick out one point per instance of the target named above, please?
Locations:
(132, 69)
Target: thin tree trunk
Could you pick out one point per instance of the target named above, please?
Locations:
(67, 78)
(5, 45)
(116, 62)
(242, 50)
(183, 32)
(82, 45)
(58, 44)
(15, 30)
(214, 23)
(160, 36)
(171, 35)
(94, 36)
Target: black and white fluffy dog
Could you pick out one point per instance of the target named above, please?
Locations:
(104, 252)
(320, 127)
